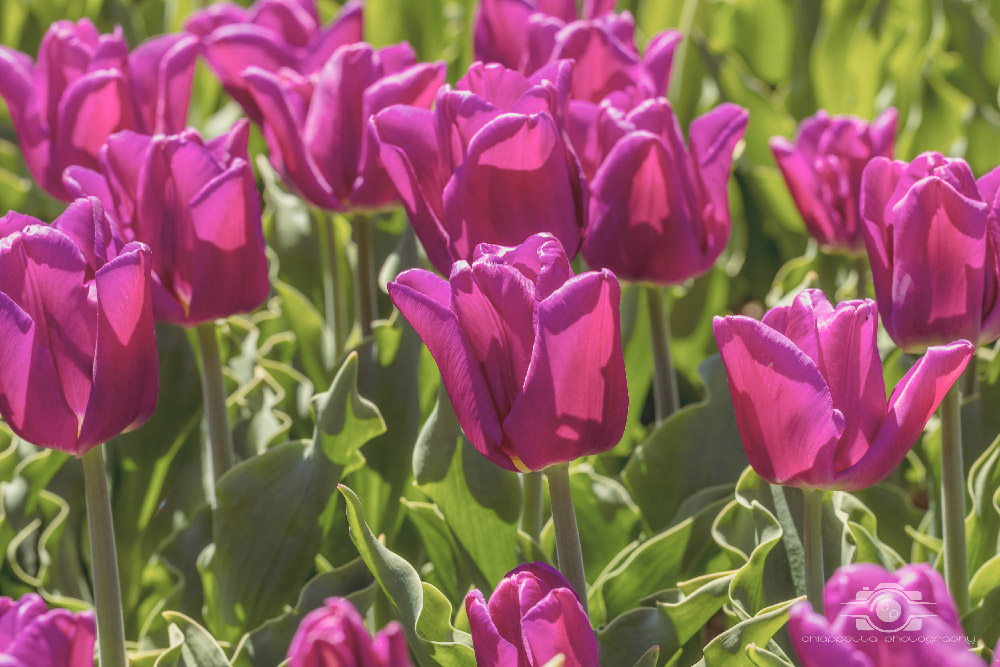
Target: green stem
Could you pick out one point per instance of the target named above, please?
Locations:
(664, 376)
(531, 504)
(367, 290)
(861, 267)
(956, 564)
(688, 12)
(812, 544)
(213, 394)
(104, 561)
(333, 290)
(568, 551)
(970, 379)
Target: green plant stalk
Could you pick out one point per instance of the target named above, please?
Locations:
(861, 267)
(664, 375)
(531, 504)
(568, 551)
(956, 563)
(213, 394)
(812, 544)
(333, 290)
(367, 284)
(104, 561)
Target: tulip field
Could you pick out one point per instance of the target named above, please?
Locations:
(499, 333)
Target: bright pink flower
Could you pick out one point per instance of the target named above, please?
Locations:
(86, 86)
(31, 636)
(335, 636)
(809, 396)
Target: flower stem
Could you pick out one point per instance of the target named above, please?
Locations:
(664, 376)
(568, 550)
(956, 564)
(861, 268)
(213, 394)
(367, 290)
(104, 561)
(531, 504)
(812, 543)
(333, 290)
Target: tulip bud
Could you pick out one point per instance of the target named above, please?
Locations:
(77, 349)
(488, 165)
(889, 619)
(530, 354)
(30, 635)
(823, 171)
(196, 204)
(335, 636)
(532, 617)
(271, 35)
(87, 86)
(316, 126)
(658, 212)
(932, 235)
(807, 388)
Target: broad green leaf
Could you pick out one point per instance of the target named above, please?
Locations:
(729, 648)
(190, 645)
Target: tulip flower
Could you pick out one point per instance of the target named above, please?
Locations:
(874, 618)
(271, 35)
(932, 238)
(658, 212)
(195, 203)
(823, 170)
(532, 617)
(809, 396)
(86, 86)
(77, 349)
(530, 354)
(31, 636)
(316, 125)
(335, 636)
(488, 165)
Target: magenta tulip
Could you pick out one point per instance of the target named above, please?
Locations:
(77, 349)
(316, 126)
(874, 618)
(658, 212)
(932, 237)
(271, 35)
(809, 396)
(488, 165)
(335, 636)
(196, 205)
(31, 636)
(87, 86)
(823, 171)
(530, 354)
(532, 617)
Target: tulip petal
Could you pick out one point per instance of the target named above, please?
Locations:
(558, 625)
(817, 645)
(882, 132)
(783, 405)
(660, 56)
(84, 221)
(500, 35)
(160, 74)
(94, 107)
(408, 148)
(912, 403)
(423, 299)
(346, 28)
(514, 153)
(878, 181)
(713, 139)
(492, 650)
(390, 646)
(803, 184)
(122, 161)
(57, 637)
(575, 396)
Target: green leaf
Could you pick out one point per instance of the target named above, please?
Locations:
(345, 419)
(649, 658)
(423, 611)
(729, 648)
(763, 658)
(190, 645)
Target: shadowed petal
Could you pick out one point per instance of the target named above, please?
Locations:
(492, 650)
(57, 637)
(558, 625)
(160, 74)
(817, 645)
(501, 35)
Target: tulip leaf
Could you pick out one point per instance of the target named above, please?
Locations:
(345, 419)
(422, 610)
(729, 648)
(761, 657)
(649, 658)
(442, 549)
(983, 524)
(190, 645)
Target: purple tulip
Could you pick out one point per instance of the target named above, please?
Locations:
(532, 617)
(658, 212)
(875, 618)
(823, 171)
(488, 165)
(77, 349)
(87, 86)
(31, 636)
(335, 636)
(271, 35)
(196, 205)
(316, 125)
(809, 396)
(932, 237)
(531, 355)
